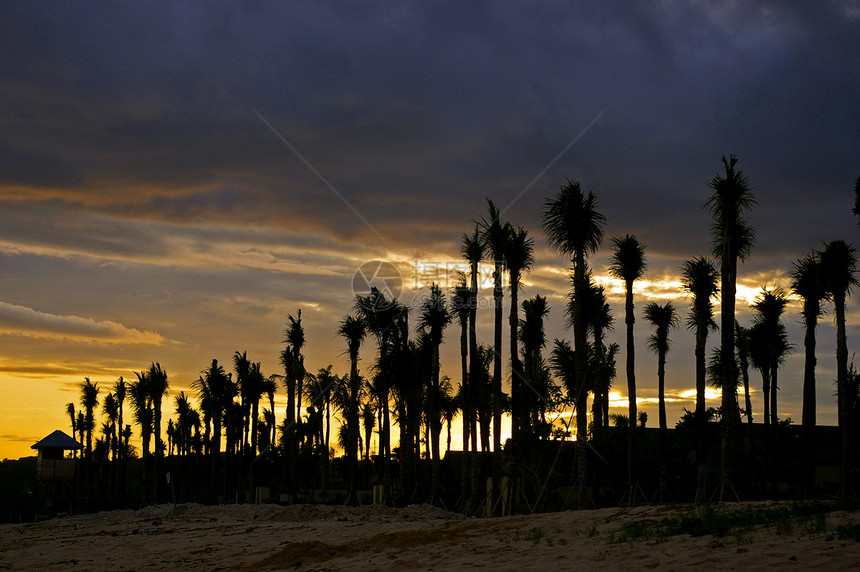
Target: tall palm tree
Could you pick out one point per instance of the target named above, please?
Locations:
(839, 264)
(662, 318)
(563, 364)
(598, 318)
(628, 264)
(742, 343)
(732, 239)
(769, 307)
(215, 388)
(353, 330)
(82, 427)
(70, 411)
(183, 409)
(575, 227)
(533, 337)
(119, 393)
(699, 279)
(109, 408)
(270, 388)
(494, 236)
(473, 251)
(386, 319)
(295, 340)
(808, 282)
(519, 258)
(294, 373)
(89, 401)
(138, 394)
(157, 385)
(368, 418)
(242, 367)
(461, 305)
(759, 350)
(255, 389)
(434, 318)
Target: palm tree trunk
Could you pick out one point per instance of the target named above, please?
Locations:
(464, 408)
(661, 392)
(842, 390)
(747, 400)
(435, 428)
(516, 366)
(808, 416)
(474, 380)
(701, 340)
(774, 418)
(765, 389)
(629, 320)
(727, 355)
(156, 472)
(580, 285)
(497, 363)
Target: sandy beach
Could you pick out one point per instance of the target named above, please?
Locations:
(315, 537)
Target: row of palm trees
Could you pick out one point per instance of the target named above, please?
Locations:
(406, 370)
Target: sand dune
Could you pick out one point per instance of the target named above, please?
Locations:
(313, 537)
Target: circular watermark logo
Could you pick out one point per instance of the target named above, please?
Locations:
(382, 276)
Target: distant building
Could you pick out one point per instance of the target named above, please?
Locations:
(52, 464)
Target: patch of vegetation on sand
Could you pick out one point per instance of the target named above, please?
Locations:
(723, 521)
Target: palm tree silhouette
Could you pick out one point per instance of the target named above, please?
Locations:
(733, 239)
(242, 368)
(808, 282)
(89, 401)
(216, 390)
(519, 258)
(138, 393)
(742, 344)
(562, 361)
(494, 237)
(472, 250)
(70, 411)
(318, 390)
(598, 318)
(769, 307)
(461, 303)
(533, 337)
(254, 389)
(353, 330)
(575, 227)
(628, 264)
(449, 406)
(368, 418)
(270, 388)
(663, 318)
(81, 423)
(109, 408)
(387, 319)
(294, 373)
(157, 385)
(839, 265)
(699, 279)
(434, 318)
(119, 388)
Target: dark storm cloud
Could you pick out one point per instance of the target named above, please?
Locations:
(415, 112)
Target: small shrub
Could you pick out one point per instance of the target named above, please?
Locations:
(848, 532)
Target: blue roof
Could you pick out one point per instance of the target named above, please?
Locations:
(58, 440)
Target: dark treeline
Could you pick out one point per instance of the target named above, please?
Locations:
(226, 442)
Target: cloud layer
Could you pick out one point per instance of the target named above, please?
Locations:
(175, 179)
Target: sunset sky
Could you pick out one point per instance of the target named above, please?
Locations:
(176, 178)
